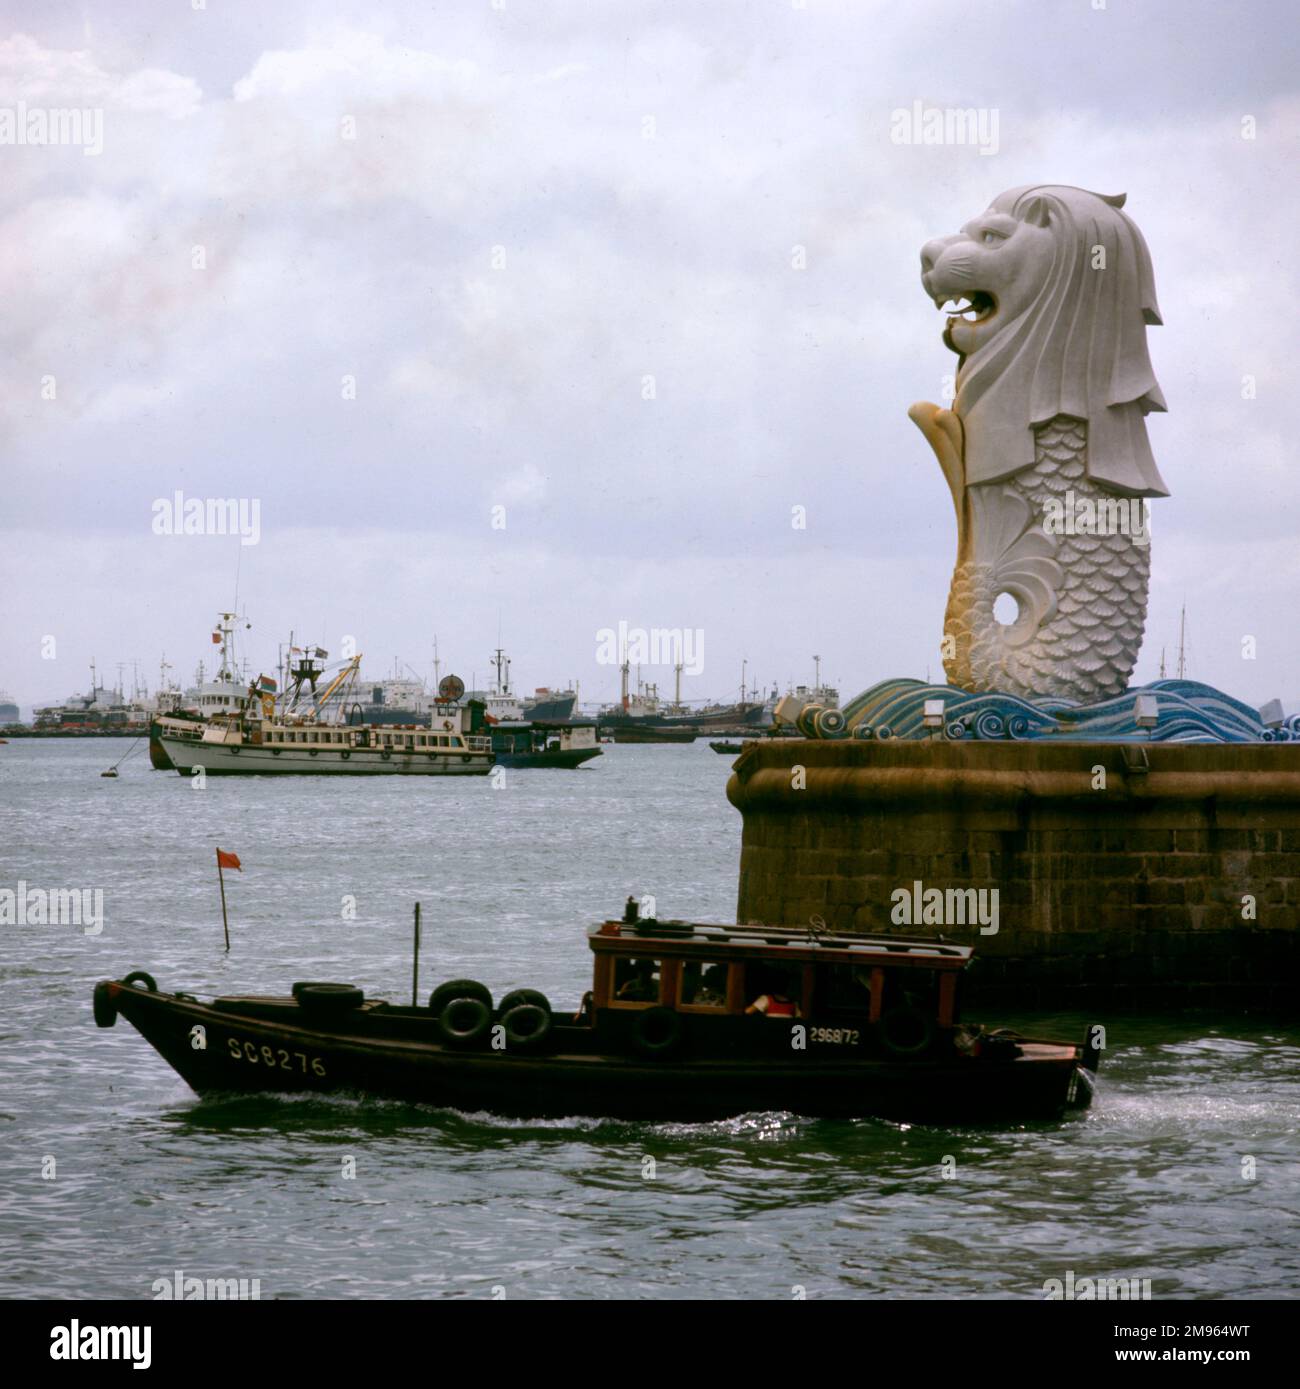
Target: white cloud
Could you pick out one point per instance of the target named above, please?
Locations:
(624, 257)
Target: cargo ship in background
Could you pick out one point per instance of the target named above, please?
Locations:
(639, 716)
(103, 712)
(404, 698)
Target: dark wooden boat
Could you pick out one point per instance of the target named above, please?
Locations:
(542, 744)
(732, 748)
(683, 1021)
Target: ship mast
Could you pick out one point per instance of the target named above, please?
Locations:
(226, 628)
(1182, 644)
(502, 663)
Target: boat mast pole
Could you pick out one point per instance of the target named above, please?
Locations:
(415, 961)
(225, 924)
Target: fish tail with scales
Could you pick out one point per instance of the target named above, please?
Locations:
(1082, 597)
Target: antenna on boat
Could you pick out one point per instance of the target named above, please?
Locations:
(1182, 643)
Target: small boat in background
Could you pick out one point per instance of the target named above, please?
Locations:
(732, 748)
(539, 744)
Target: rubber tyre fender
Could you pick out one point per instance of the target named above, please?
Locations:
(458, 988)
(464, 1021)
(905, 1032)
(105, 1008)
(523, 996)
(657, 1032)
(526, 1025)
(139, 976)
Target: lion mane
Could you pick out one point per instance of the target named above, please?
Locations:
(1078, 350)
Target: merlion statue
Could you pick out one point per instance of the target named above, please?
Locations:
(1045, 449)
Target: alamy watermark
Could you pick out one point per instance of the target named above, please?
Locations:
(655, 646)
(1070, 1289)
(77, 1342)
(182, 515)
(53, 125)
(1075, 515)
(180, 1288)
(945, 125)
(53, 906)
(937, 906)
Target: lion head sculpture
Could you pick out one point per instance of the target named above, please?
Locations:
(1054, 294)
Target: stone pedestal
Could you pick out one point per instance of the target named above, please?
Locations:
(1131, 893)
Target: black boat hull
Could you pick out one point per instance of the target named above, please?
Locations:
(553, 757)
(384, 1053)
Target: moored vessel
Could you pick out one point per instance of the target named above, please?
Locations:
(267, 739)
(538, 744)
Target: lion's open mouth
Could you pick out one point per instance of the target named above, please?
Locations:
(972, 308)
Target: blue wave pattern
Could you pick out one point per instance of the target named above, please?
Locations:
(1187, 712)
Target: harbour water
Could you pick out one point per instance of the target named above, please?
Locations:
(1186, 1171)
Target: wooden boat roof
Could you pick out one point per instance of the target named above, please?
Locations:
(712, 942)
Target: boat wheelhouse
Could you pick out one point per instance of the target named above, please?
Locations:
(683, 1021)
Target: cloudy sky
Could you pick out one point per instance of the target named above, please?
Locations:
(386, 267)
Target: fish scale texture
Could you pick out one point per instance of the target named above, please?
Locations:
(1086, 647)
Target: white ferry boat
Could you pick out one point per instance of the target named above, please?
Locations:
(249, 746)
(262, 739)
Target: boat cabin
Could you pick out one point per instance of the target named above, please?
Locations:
(889, 994)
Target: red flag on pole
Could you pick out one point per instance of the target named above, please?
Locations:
(225, 860)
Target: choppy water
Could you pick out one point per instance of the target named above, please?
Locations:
(1152, 1183)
